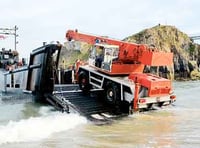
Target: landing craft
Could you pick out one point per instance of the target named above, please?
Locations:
(107, 86)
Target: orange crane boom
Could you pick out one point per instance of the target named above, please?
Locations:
(128, 52)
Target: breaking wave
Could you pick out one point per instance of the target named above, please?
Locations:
(37, 128)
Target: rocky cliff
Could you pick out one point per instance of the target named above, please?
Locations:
(169, 38)
(73, 51)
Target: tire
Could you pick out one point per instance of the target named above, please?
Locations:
(160, 104)
(84, 82)
(112, 96)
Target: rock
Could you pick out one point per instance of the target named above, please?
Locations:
(169, 38)
(195, 75)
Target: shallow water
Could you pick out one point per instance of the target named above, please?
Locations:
(26, 124)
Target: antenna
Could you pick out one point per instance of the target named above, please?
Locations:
(11, 31)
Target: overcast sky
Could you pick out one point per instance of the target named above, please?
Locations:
(48, 20)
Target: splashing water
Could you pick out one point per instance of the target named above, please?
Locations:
(37, 128)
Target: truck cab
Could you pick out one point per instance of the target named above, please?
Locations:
(102, 56)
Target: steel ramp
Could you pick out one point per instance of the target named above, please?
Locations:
(91, 106)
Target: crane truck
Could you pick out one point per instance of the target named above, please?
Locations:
(117, 68)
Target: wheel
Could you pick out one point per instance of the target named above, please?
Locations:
(160, 104)
(84, 82)
(112, 96)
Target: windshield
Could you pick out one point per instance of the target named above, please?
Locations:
(102, 56)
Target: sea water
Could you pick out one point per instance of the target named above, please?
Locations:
(24, 123)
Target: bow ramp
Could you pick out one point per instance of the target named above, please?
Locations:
(69, 98)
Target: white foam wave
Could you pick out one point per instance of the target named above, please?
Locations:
(37, 128)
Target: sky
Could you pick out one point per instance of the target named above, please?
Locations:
(48, 20)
